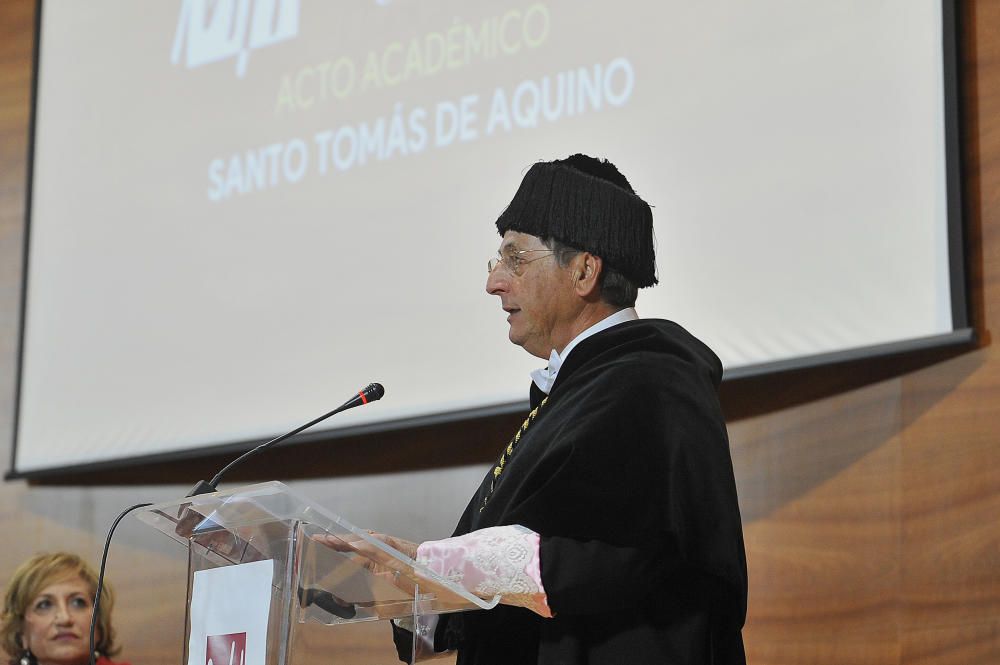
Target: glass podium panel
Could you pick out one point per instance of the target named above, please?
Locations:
(325, 570)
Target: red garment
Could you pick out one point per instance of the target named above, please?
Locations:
(104, 660)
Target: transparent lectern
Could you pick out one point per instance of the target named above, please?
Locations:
(358, 579)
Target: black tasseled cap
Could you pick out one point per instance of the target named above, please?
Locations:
(588, 204)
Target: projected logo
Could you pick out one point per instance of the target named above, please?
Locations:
(213, 30)
(228, 649)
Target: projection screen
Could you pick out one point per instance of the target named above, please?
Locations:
(243, 211)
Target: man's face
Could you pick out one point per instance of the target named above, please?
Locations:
(540, 301)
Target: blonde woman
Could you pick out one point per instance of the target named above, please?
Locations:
(47, 610)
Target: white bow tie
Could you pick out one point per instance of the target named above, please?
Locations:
(545, 377)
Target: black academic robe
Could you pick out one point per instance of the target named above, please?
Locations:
(626, 474)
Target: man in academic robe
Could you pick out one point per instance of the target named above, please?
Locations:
(609, 524)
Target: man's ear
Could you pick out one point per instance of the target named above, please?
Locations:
(587, 277)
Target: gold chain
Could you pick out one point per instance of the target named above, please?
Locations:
(505, 455)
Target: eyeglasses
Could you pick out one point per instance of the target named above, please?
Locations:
(513, 261)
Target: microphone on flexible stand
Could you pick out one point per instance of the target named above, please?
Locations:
(189, 520)
(370, 393)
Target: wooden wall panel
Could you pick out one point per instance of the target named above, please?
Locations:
(821, 521)
(870, 516)
(958, 644)
(950, 585)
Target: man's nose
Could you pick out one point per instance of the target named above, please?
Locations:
(496, 281)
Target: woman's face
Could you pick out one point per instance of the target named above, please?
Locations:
(57, 623)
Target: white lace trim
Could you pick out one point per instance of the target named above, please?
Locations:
(500, 560)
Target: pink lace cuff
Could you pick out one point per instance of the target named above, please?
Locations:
(499, 560)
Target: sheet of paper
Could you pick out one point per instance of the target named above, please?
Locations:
(229, 611)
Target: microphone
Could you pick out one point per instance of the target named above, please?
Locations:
(370, 393)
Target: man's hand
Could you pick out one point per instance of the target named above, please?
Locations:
(351, 543)
(383, 564)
